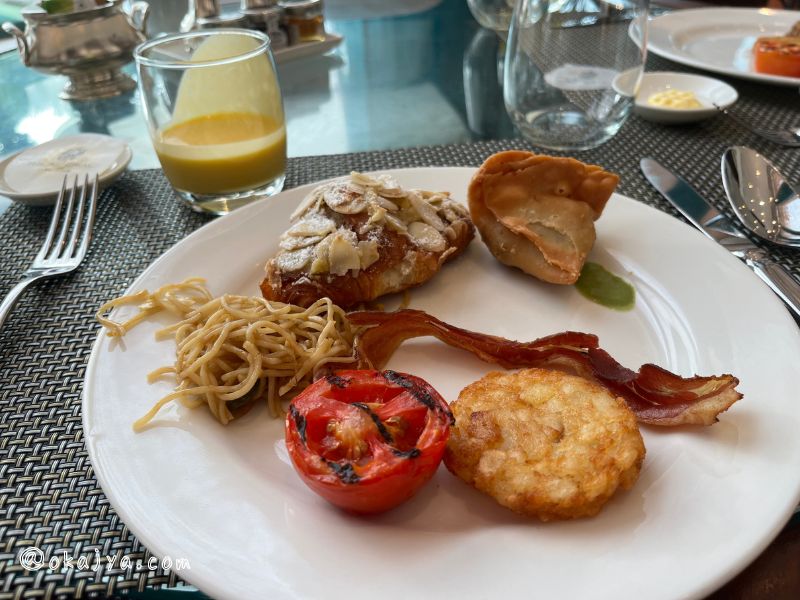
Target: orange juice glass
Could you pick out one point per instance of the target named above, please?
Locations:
(214, 109)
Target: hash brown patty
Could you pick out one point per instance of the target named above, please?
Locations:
(544, 443)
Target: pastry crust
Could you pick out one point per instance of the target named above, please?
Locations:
(392, 254)
(537, 212)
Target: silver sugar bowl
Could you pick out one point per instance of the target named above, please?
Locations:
(89, 46)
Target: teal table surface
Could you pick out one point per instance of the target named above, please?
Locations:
(395, 81)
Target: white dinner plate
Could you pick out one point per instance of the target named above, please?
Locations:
(708, 500)
(718, 39)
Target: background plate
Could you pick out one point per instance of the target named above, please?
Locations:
(718, 39)
(707, 502)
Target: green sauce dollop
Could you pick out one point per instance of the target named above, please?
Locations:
(603, 287)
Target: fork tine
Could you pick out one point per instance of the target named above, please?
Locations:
(55, 251)
(87, 234)
(51, 232)
(78, 223)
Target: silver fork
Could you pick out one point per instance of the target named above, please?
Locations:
(67, 238)
(784, 137)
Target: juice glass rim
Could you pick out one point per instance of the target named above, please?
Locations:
(142, 59)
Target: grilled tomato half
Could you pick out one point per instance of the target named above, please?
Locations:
(365, 440)
(777, 56)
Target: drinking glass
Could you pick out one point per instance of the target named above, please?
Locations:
(215, 115)
(492, 14)
(572, 70)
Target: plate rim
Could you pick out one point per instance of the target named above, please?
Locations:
(210, 584)
(670, 53)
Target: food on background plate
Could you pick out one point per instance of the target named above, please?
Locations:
(233, 351)
(777, 56)
(537, 212)
(360, 237)
(367, 441)
(675, 99)
(544, 443)
(655, 395)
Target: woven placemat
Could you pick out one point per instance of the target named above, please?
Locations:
(49, 497)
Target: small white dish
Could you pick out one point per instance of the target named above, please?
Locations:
(707, 90)
(33, 176)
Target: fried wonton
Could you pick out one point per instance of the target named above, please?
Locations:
(537, 212)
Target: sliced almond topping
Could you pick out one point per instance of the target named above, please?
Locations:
(320, 262)
(426, 237)
(294, 242)
(446, 253)
(426, 212)
(318, 265)
(343, 201)
(363, 180)
(355, 188)
(395, 223)
(449, 214)
(368, 250)
(435, 197)
(377, 215)
(312, 224)
(342, 255)
(314, 197)
(393, 193)
(387, 204)
(294, 261)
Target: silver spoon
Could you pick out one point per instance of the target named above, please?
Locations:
(761, 197)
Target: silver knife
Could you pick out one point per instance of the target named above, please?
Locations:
(722, 230)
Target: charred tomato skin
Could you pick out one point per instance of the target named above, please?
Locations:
(367, 441)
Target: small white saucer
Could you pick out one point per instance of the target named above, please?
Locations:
(707, 90)
(34, 176)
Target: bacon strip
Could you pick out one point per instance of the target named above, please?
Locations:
(655, 395)
(376, 345)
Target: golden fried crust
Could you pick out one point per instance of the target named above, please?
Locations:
(548, 176)
(401, 265)
(544, 443)
(537, 212)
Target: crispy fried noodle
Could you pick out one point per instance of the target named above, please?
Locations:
(233, 350)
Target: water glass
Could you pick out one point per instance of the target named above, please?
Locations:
(215, 115)
(492, 14)
(572, 70)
